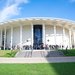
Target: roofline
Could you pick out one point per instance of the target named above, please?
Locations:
(38, 18)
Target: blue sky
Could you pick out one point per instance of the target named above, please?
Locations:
(12, 9)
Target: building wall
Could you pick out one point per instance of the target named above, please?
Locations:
(50, 37)
(16, 35)
(59, 33)
(27, 35)
(8, 37)
(67, 38)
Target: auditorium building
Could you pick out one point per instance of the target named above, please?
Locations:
(37, 33)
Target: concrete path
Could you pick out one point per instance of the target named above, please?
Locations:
(38, 57)
(38, 60)
(39, 53)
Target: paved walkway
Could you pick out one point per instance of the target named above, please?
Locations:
(38, 57)
(39, 53)
(38, 60)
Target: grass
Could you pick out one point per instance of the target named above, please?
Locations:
(69, 52)
(8, 53)
(38, 69)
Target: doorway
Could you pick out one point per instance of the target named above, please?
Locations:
(37, 36)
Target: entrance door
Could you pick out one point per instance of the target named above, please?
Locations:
(37, 36)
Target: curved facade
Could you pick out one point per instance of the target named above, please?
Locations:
(37, 31)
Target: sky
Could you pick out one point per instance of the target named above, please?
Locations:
(13, 9)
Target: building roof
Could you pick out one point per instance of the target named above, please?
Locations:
(38, 20)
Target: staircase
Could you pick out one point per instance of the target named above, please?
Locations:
(39, 53)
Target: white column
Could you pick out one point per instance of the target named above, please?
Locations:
(32, 33)
(73, 37)
(11, 36)
(44, 39)
(1, 37)
(70, 42)
(20, 37)
(4, 38)
(55, 34)
(63, 37)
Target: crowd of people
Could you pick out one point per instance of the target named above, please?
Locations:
(35, 46)
(41, 46)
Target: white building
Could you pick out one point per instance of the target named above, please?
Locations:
(37, 30)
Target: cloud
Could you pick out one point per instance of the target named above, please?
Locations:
(8, 12)
(12, 8)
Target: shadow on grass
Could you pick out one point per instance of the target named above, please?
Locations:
(63, 68)
(68, 52)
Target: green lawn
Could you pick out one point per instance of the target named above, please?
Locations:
(8, 53)
(38, 69)
(69, 52)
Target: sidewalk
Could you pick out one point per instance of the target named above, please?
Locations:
(38, 60)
